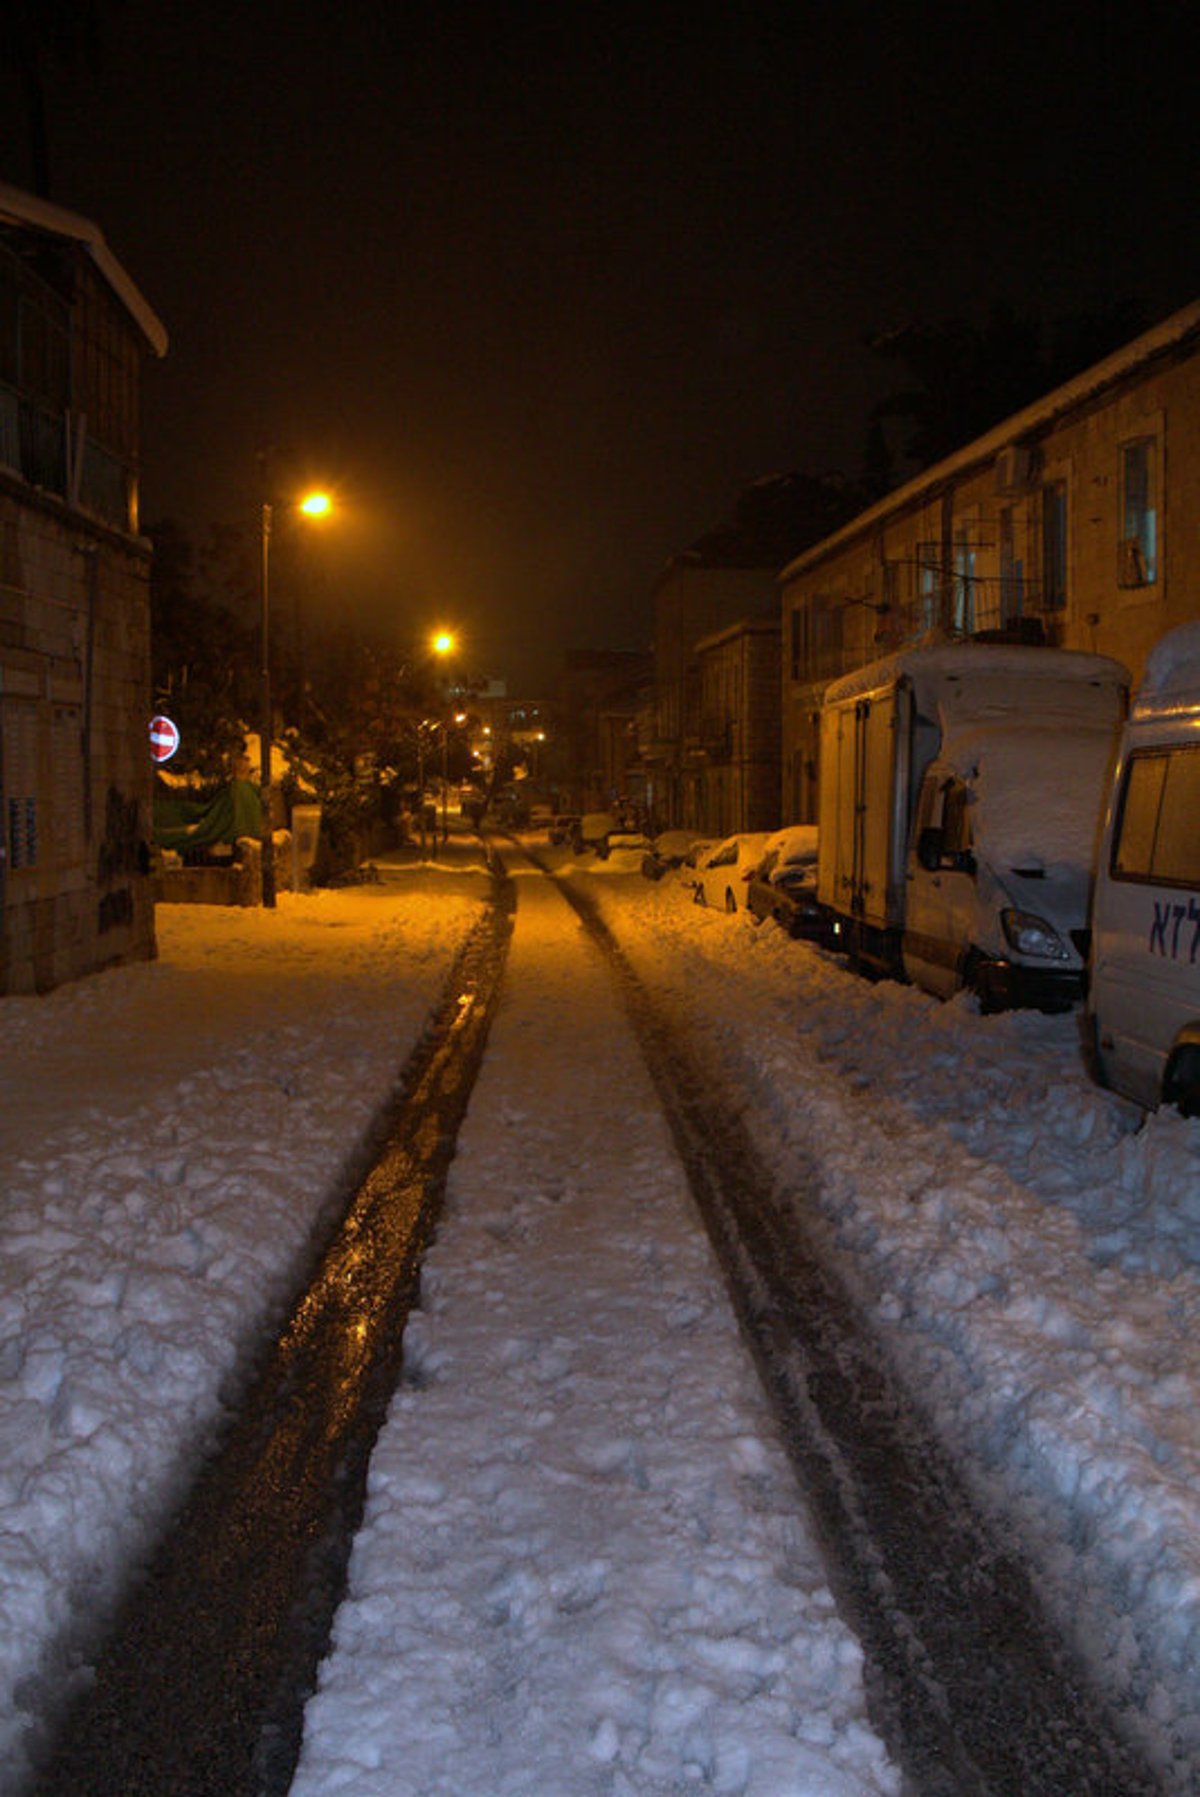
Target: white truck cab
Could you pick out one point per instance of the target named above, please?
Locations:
(1144, 994)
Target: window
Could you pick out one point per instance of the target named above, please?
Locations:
(966, 574)
(1157, 839)
(1054, 545)
(929, 584)
(956, 819)
(817, 650)
(1139, 513)
(1012, 568)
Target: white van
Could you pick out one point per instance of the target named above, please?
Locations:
(1144, 998)
(962, 791)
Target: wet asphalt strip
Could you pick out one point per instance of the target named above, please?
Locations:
(973, 1690)
(200, 1686)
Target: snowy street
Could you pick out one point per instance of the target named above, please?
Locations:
(585, 1566)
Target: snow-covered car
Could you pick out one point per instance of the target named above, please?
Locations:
(722, 874)
(668, 851)
(563, 826)
(783, 886)
(625, 850)
(593, 831)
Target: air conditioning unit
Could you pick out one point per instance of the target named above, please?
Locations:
(1014, 468)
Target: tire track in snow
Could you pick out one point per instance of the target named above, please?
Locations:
(973, 1691)
(200, 1688)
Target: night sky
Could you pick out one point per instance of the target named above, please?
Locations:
(539, 289)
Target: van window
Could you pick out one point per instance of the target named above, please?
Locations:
(1157, 838)
(956, 819)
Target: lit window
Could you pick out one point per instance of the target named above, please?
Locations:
(1139, 514)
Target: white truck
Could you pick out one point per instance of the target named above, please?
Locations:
(961, 793)
(1144, 995)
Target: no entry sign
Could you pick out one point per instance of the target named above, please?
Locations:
(164, 738)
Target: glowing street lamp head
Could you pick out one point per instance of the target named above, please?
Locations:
(443, 642)
(316, 505)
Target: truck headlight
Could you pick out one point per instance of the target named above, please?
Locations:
(1030, 935)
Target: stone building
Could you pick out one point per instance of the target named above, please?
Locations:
(601, 693)
(1075, 523)
(694, 599)
(75, 769)
(733, 754)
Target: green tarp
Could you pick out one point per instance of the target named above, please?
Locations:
(186, 823)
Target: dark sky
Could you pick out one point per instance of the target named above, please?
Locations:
(540, 288)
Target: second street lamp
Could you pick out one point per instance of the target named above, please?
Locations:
(444, 643)
(313, 505)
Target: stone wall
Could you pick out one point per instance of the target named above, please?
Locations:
(75, 771)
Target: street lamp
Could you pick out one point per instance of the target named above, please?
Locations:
(313, 505)
(444, 643)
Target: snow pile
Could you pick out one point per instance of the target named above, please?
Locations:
(172, 1132)
(584, 1566)
(1027, 1244)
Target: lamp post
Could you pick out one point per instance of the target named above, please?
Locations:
(444, 644)
(314, 505)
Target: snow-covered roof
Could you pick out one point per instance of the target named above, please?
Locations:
(19, 208)
(1170, 335)
(1001, 665)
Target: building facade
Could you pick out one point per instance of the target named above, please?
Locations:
(1075, 523)
(75, 769)
(693, 600)
(733, 757)
(601, 693)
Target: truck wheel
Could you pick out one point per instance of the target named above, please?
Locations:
(1181, 1082)
(977, 979)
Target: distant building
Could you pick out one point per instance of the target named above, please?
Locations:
(75, 769)
(732, 777)
(693, 599)
(601, 693)
(1075, 523)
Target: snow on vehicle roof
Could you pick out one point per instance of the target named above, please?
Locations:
(1171, 681)
(972, 674)
(796, 842)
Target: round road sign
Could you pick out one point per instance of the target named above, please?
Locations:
(164, 738)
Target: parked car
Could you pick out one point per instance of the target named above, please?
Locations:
(1144, 991)
(701, 848)
(562, 828)
(783, 886)
(722, 874)
(593, 831)
(667, 852)
(624, 851)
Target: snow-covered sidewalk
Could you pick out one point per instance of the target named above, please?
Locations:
(171, 1135)
(585, 1567)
